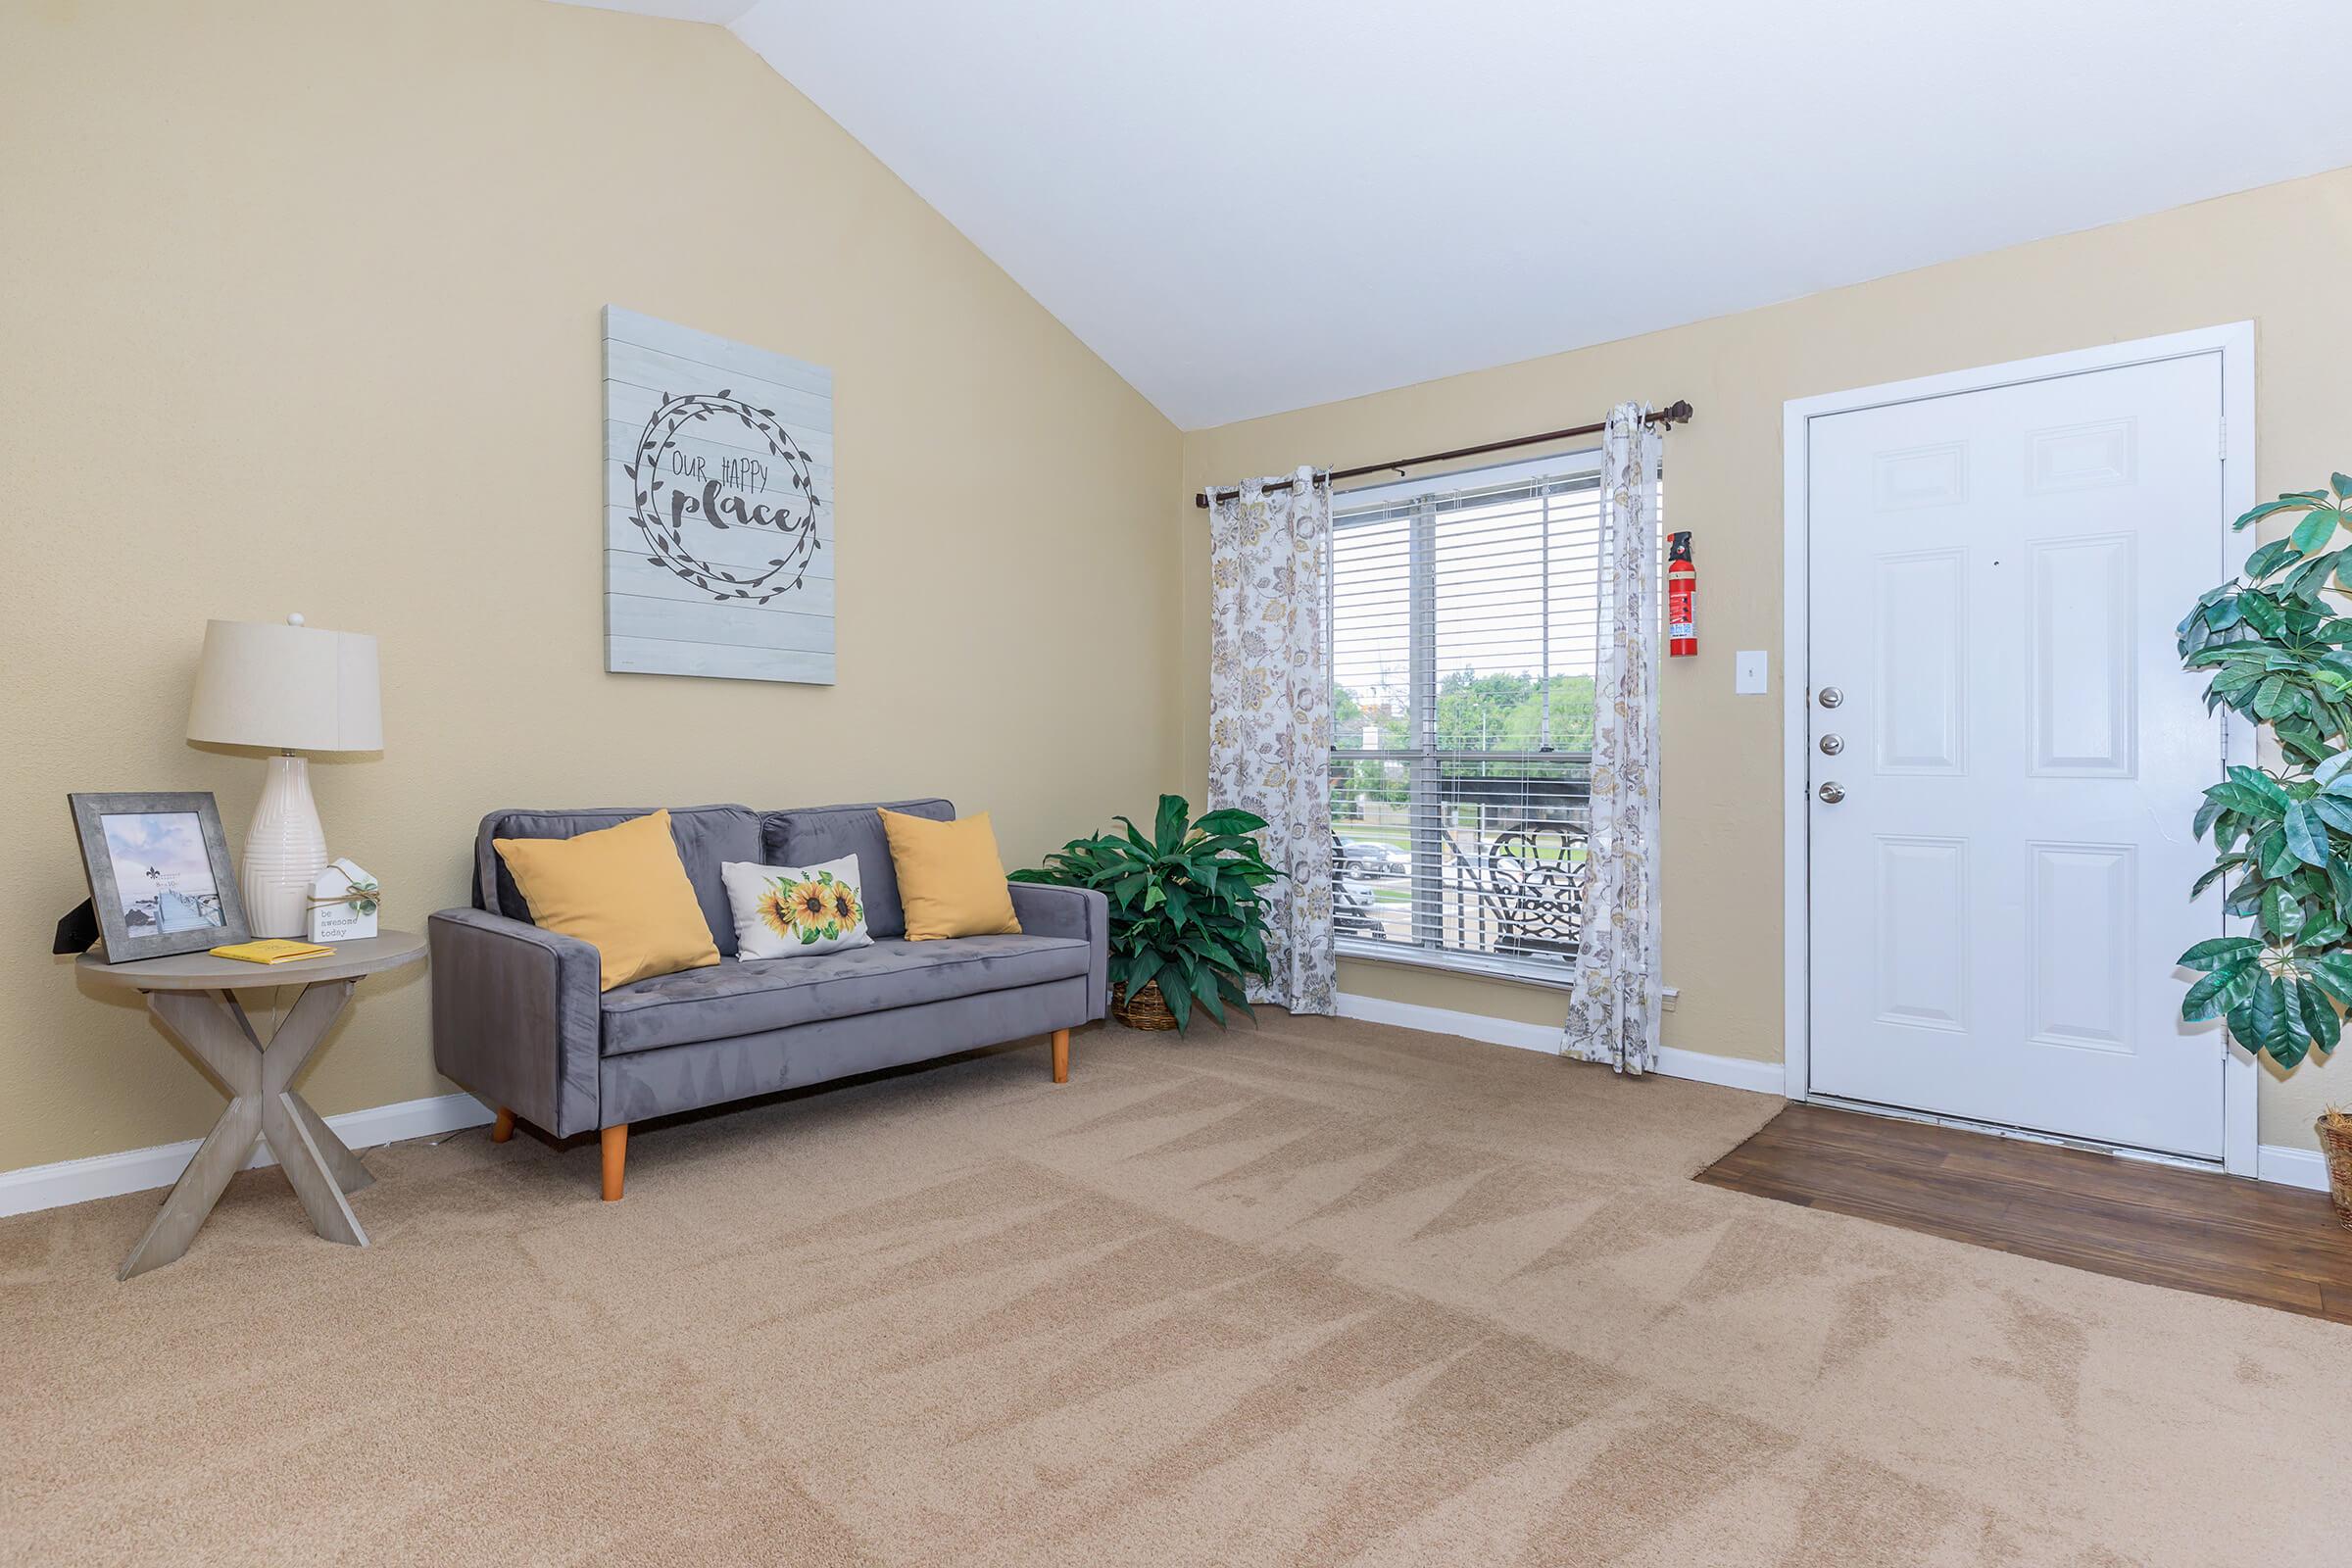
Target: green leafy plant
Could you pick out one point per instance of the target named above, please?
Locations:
(2277, 654)
(1184, 908)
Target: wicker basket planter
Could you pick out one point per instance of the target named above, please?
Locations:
(2335, 1142)
(1146, 1010)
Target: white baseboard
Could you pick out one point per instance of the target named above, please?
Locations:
(1729, 1072)
(2291, 1167)
(1760, 1077)
(1444, 1021)
(135, 1170)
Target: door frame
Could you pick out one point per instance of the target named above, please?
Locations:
(2235, 344)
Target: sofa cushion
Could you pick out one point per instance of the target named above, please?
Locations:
(619, 888)
(950, 878)
(706, 835)
(806, 835)
(797, 912)
(735, 998)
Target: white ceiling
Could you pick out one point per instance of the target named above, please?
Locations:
(1247, 205)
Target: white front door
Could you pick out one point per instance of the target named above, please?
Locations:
(1997, 896)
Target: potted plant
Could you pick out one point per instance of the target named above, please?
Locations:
(2277, 654)
(2335, 1144)
(1187, 923)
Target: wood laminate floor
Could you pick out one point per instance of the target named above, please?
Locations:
(2256, 1242)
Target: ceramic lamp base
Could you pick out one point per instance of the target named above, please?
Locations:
(285, 850)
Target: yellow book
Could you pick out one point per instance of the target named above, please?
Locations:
(276, 950)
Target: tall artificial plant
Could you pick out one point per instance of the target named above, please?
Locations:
(2283, 836)
(1184, 908)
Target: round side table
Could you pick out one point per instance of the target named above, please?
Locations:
(194, 997)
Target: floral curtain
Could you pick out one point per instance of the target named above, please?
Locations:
(1613, 1008)
(1270, 714)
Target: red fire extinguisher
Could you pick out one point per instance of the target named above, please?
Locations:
(1682, 597)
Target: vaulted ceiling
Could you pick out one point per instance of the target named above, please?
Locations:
(1247, 205)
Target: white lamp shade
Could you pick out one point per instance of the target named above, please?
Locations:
(294, 688)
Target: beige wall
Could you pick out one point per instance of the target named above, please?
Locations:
(2275, 256)
(299, 310)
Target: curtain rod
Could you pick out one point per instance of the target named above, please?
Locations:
(1674, 414)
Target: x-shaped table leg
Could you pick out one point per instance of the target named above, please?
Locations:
(322, 1170)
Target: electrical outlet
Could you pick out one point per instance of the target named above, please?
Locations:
(1749, 677)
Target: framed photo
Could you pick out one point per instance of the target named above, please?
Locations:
(161, 879)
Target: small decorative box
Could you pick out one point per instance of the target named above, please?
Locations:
(343, 903)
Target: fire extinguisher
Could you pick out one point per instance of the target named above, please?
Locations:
(1682, 597)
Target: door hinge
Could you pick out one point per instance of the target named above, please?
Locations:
(2224, 438)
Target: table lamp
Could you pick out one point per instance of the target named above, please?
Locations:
(297, 688)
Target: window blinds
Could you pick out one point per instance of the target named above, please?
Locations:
(1465, 632)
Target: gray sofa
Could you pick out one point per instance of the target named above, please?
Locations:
(518, 1019)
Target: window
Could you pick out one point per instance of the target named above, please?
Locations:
(1465, 632)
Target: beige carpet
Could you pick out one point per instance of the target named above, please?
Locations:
(1326, 1293)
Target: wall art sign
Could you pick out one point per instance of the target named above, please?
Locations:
(718, 506)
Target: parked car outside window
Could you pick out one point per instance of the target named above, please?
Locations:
(1371, 859)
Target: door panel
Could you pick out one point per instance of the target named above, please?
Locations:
(2083, 945)
(1921, 719)
(2085, 713)
(1997, 898)
(1923, 977)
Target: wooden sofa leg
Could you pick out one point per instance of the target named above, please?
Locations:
(1061, 1056)
(616, 1154)
(504, 1128)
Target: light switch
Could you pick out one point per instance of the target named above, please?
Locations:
(1747, 673)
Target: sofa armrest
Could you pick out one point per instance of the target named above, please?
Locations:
(516, 1017)
(1047, 910)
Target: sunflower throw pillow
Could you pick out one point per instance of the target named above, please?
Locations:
(784, 911)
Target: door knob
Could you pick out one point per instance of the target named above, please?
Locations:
(1832, 745)
(1832, 697)
(1831, 792)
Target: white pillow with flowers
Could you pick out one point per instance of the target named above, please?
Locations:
(785, 911)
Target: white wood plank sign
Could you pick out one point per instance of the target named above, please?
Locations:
(718, 506)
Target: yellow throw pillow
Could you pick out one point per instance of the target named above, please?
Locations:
(950, 878)
(622, 890)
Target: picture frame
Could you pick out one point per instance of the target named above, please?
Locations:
(160, 874)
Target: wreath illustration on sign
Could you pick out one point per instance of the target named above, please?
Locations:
(662, 520)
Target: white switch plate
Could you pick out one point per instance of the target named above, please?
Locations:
(1747, 673)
